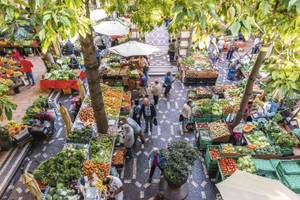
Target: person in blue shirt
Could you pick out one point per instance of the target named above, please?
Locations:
(168, 81)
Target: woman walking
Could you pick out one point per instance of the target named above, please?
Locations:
(149, 113)
(168, 81)
(186, 114)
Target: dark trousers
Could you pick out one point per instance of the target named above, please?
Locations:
(30, 78)
(152, 170)
(148, 122)
(155, 98)
(229, 55)
(172, 56)
(167, 90)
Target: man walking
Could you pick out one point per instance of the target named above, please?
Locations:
(155, 89)
(27, 69)
(149, 113)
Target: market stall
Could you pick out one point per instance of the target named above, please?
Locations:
(197, 70)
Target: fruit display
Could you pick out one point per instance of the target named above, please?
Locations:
(64, 167)
(246, 164)
(100, 151)
(82, 135)
(14, 128)
(201, 125)
(36, 107)
(100, 169)
(247, 128)
(61, 74)
(228, 149)
(99, 185)
(218, 129)
(86, 115)
(282, 139)
(112, 97)
(214, 153)
(231, 92)
(118, 157)
(258, 139)
(203, 92)
(59, 192)
(227, 166)
(126, 103)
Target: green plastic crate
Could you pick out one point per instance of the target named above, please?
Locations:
(292, 182)
(204, 139)
(263, 165)
(268, 174)
(211, 165)
(289, 167)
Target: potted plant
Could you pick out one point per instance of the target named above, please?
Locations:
(5, 140)
(178, 160)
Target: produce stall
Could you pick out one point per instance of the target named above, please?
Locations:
(115, 70)
(197, 70)
(60, 79)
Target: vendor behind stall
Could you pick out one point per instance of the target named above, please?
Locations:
(115, 187)
(46, 116)
(74, 64)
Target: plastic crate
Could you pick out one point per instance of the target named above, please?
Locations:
(204, 138)
(263, 165)
(289, 167)
(292, 182)
(268, 174)
(211, 164)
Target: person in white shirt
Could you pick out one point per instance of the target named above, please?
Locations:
(221, 43)
(186, 114)
(155, 90)
(128, 139)
(115, 187)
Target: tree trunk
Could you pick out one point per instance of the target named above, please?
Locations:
(92, 73)
(249, 87)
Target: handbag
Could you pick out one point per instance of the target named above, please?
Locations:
(155, 121)
(181, 117)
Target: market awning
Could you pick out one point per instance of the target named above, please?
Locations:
(245, 186)
(133, 48)
(97, 15)
(111, 28)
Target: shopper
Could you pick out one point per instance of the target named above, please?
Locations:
(256, 45)
(248, 112)
(144, 84)
(144, 63)
(155, 160)
(69, 48)
(137, 129)
(186, 114)
(115, 187)
(168, 81)
(155, 90)
(128, 139)
(135, 112)
(27, 69)
(149, 113)
(74, 64)
(230, 52)
(171, 51)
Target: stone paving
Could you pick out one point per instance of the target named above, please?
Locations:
(136, 171)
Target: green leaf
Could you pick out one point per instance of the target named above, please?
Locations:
(247, 24)
(235, 27)
(292, 3)
(231, 12)
(8, 113)
(42, 34)
(265, 7)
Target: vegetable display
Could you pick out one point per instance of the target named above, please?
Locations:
(82, 135)
(62, 168)
(218, 129)
(246, 164)
(86, 115)
(227, 166)
(100, 151)
(35, 108)
(59, 193)
(214, 153)
(61, 74)
(258, 139)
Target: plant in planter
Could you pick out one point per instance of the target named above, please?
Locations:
(178, 161)
(5, 141)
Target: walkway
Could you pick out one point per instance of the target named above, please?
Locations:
(159, 61)
(168, 130)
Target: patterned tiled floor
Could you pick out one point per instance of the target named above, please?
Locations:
(136, 171)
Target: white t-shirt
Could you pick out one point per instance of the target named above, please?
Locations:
(115, 185)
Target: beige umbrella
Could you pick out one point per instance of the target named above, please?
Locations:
(134, 48)
(111, 28)
(97, 15)
(245, 186)
(32, 185)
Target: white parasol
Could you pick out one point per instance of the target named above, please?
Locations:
(97, 15)
(111, 28)
(134, 48)
(245, 186)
